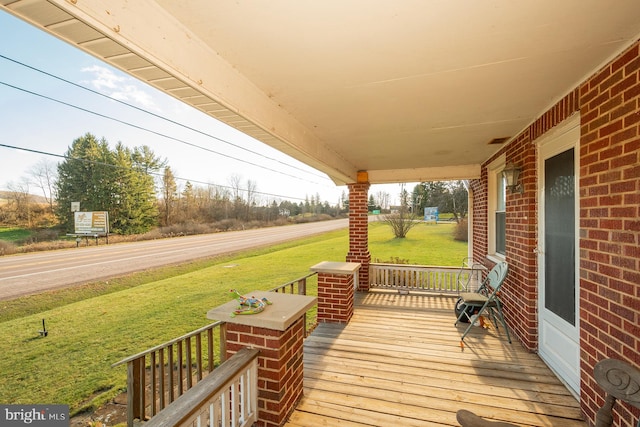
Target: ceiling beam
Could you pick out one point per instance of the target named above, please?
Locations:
(445, 173)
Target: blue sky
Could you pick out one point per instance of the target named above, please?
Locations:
(34, 122)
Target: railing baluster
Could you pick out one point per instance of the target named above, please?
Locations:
(161, 382)
(199, 357)
(152, 398)
(180, 368)
(171, 372)
(188, 359)
(210, 354)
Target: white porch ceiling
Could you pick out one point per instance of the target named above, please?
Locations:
(407, 90)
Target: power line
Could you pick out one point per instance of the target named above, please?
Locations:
(157, 116)
(208, 184)
(151, 131)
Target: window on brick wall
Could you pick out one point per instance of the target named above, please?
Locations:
(497, 208)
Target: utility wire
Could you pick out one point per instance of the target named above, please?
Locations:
(151, 131)
(94, 162)
(157, 116)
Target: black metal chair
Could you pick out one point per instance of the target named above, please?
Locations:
(484, 301)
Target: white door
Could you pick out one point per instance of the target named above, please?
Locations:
(558, 280)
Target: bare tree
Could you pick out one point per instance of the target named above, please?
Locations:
(382, 199)
(252, 187)
(21, 202)
(403, 220)
(43, 174)
(234, 183)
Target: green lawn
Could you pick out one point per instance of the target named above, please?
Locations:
(425, 244)
(94, 326)
(12, 234)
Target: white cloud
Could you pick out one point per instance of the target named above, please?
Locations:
(120, 87)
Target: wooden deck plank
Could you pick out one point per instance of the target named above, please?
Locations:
(398, 362)
(454, 382)
(448, 393)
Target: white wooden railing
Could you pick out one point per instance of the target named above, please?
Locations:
(227, 399)
(408, 278)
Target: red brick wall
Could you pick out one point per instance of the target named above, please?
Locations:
(610, 223)
(609, 216)
(280, 367)
(520, 292)
(359, 231)
(335, 298)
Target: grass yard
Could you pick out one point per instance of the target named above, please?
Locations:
(425, 244)
(94, 326)
(12, 234)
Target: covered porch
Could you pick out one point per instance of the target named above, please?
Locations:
(398, 362)
(430, 91)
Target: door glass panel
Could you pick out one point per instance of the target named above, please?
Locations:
(501, 215)
(559, 202)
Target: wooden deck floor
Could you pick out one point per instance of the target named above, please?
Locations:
(399, 363)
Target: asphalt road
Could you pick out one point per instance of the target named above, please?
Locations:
(26, 274)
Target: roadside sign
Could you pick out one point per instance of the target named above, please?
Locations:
(431, 214)
(96, 223)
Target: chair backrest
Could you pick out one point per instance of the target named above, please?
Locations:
(621, 381)
(495, 278)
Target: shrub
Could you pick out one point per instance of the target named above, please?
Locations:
(44, 235)
(460, 233)
(392, 260)
(7, 248)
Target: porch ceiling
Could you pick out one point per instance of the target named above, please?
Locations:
(407, 90)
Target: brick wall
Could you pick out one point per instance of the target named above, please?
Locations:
(280, 367)
(359, 231)
(610, 222)
(335, 298)
(520, 292)
(479, 227)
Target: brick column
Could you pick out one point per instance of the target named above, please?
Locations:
(278, 332)
(359, 228)
(335, 298)
(335, 290)
(280, 367)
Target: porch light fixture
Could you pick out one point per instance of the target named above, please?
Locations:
(511, 174)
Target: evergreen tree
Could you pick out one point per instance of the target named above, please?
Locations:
(105, 180)
(81, 178)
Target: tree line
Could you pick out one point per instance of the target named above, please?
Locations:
(140, 192)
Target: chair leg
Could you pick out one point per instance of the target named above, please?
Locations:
(504, 324)
(466, 331)
(464, 312)
(495, 317)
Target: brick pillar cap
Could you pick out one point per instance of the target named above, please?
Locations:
(333, 267)
(284, 310)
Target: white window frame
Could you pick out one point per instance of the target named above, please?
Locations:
(494, 176)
